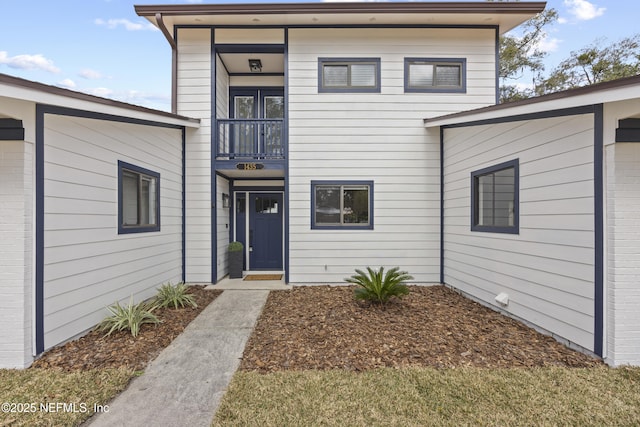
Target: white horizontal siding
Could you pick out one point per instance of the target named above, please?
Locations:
(87, 264)
(194, 100)
(548, 268)
(623, 268)
(378, 137)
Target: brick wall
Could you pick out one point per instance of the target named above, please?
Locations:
(623, 269)
(16, 211)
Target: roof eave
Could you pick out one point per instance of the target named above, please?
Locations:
(18, 82)
(574, 96)
(341, 8)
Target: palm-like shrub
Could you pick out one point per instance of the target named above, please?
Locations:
(378, 287)
(174, 296)
(128, 318)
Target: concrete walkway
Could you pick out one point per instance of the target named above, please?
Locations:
(183, 386)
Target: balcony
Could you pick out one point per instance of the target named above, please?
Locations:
(250, 139)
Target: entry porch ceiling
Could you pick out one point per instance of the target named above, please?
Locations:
(236, 63)
(505, 15)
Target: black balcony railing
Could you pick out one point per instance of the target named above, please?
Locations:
(250, 138)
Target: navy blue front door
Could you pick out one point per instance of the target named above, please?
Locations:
(265, 231)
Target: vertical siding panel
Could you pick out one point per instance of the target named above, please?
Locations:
(548, 268)
(379, 137)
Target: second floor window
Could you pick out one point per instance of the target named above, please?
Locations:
(434, 75)
(349, 75)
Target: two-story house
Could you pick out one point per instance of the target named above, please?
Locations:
(312, 150)
(325, 137)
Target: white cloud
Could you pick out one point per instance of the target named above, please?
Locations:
(149, 100)
(549, 44)
(583, 10)
(100, 91)
(90, 74)
(28, 62)
(128, 25)
(67, 83)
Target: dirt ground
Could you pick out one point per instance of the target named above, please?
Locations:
(323, 327)
(120, 349)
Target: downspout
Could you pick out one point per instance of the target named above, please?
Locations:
(174, 62)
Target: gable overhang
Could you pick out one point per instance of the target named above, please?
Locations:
(601, 93)
(503, 15)
(39, 93)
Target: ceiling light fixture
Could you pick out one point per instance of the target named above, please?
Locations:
(255, 65)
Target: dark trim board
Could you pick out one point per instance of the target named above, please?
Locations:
(184, 205)
(214, 144)
(286, 156)
(598, 195)
(441, 205)
(41, 111)
(573, 111)
(249, 48)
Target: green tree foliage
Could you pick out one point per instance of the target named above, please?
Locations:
(595, 63)
(522, 53)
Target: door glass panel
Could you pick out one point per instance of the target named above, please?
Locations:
(244, 107)
(266, 205)
(240, 204)
(273, 107)
(244, 132)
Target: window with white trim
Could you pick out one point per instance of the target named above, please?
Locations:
(342, 204)
(435, 74)
(138, 199)
(348, 74)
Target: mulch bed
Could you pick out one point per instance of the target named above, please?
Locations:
(96, 351)
(325, 328)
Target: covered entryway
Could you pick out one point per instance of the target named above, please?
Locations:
(259, 226)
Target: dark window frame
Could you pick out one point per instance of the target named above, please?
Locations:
(342, 226)
(140, 172)
(475, 175)
(461, 62)
(348, 89)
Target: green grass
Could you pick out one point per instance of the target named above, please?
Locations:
(431, 397)
(45, 388)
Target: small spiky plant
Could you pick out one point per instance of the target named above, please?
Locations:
(174, 296)
(128, 318)
(378, 287)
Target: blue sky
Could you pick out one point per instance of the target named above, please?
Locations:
(102, 47)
